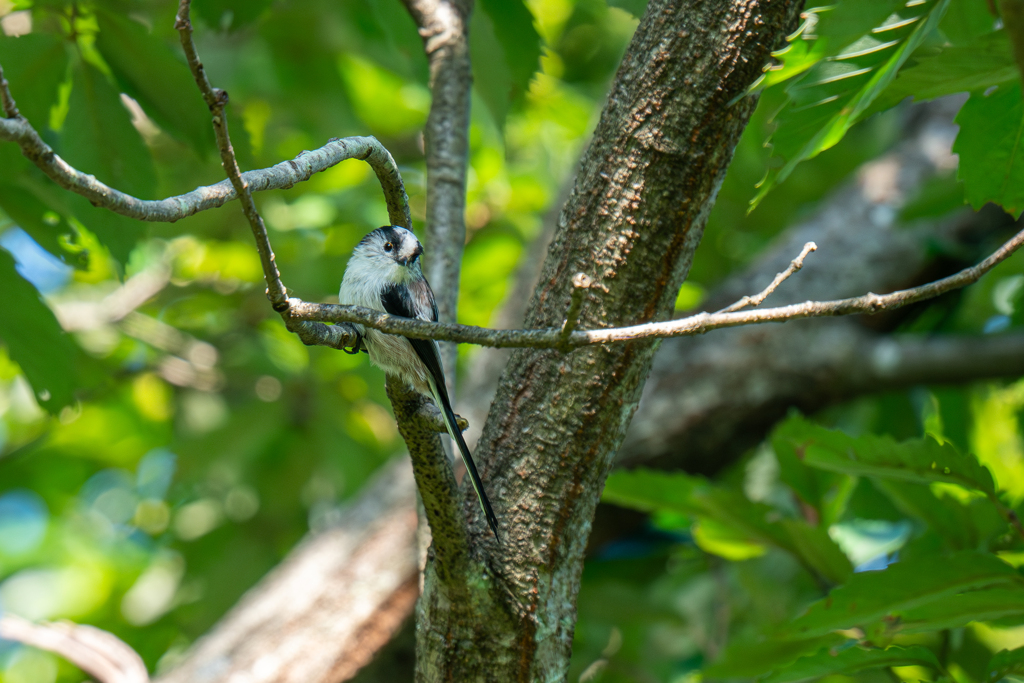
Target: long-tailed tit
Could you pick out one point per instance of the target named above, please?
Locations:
(384, 274)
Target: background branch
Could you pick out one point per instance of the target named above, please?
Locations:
(444, 27)
(102, 655)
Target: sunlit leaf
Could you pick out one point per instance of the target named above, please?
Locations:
(922, 460)
(35, 340)
(834, 93)
(34, 65)
(991, 148)
(981, 63)
(868, 597)
(148, 71)
(851, 660)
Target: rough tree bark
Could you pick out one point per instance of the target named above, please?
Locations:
(635, 217)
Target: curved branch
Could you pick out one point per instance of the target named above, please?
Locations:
(102, 655)
(16, 128)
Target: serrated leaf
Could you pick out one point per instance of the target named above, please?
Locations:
(834, 93)
(148, 71)
(852, 660)
(47, 355)
(654, 491)
(921, 460)
(959, 610)
(979, 64)
(505, 53)
(991, 148)
(826, 30)
(869, 597)
(35, 65)
(750, 658)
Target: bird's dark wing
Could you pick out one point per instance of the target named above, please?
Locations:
(416, 300)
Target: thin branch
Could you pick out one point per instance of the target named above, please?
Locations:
(580, 283)
(6, 100)
(100, 654)
(551, 338)
(756, 300)
(216, 99)
(443, 25)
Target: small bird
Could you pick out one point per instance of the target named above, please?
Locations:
(384, 274)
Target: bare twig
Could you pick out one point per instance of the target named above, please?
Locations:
(581, 283)
(6, 100)
(551, 338)
(100, 654)
(756, 300)
(216, 99)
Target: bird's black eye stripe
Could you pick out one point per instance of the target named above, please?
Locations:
(388, 246)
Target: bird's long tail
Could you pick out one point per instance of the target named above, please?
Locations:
(441, 399)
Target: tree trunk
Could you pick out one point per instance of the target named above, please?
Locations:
(632, 223)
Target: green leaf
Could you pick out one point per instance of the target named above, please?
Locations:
(695, 497)
(98, 138)
(945, 515)
(834, 93)
(1005, 663)
(47, 355)
(990, 148)
(868, 597)
(750, 658)
(959, 610)
(505, 53)
(825, 32)
(851, 660)
(966, 19)
(634, 7)
(981, 63)
(147, 70)
(921, 460)
(35, 65)
(226, 14)
(35, 217)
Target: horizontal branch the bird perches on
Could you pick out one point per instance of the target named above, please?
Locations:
(553, 338)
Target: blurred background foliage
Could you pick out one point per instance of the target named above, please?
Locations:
(169, 450)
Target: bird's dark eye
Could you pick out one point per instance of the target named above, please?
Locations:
(388, 246)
